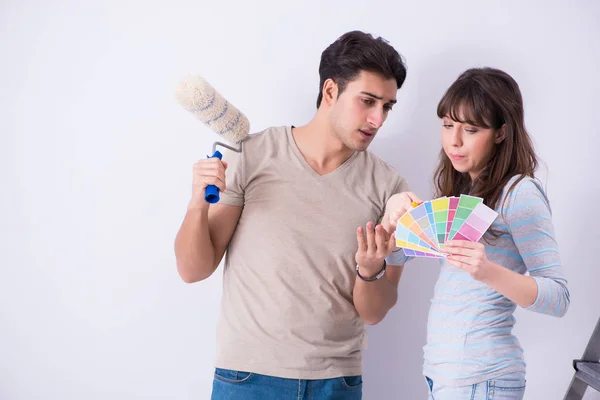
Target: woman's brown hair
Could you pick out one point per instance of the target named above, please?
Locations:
(487, 98)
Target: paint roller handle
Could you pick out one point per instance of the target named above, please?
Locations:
(211, 194)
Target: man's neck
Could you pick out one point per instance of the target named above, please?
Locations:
(320, 146)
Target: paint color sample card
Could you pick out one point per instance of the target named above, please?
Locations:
(440, 216)
(414, 221)
(476, 223)
(422, 230)
(408, 240)
(453, 204)
(415, 253)
(465, 207)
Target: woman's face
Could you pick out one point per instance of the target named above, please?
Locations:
(469, 147)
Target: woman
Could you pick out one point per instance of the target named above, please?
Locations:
(471, 352)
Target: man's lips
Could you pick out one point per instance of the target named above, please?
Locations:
(366, 132)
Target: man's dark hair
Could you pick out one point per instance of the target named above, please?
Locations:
(357, 51)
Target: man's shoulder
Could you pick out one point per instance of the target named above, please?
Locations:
(383, 174)
(272, 134)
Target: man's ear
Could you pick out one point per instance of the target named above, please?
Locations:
(330, 91)
(500, 134)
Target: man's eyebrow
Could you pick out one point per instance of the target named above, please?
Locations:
(393, 101)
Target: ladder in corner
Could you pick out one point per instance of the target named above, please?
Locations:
(587, 370)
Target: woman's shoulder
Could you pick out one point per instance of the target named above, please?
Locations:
(523, 189)
(519, 183)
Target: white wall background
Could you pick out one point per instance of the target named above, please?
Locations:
(96, 158)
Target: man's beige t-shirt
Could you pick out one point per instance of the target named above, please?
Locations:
(287, 307)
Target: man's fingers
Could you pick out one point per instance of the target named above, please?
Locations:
(380, 237)
(391, 242)
(370, 237)
(360, 239)
(394, 217)
(414, 197)
(212, 180)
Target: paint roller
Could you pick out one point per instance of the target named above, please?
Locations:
(198, 97)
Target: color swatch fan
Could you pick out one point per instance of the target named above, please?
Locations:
(422, 230)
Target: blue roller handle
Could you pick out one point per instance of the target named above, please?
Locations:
(211, 195)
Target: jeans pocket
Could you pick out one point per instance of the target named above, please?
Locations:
(352, 382)
(232, 376)
(507, 389)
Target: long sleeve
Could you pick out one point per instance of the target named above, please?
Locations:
(530, 224)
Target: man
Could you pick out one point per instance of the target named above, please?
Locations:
(294, 299)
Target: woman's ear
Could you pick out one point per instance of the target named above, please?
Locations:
(500, 134)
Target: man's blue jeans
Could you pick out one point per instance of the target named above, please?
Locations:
(238, 385)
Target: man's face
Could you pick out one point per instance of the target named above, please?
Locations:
(357, 114)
